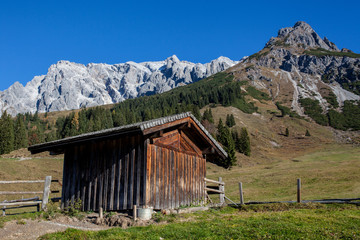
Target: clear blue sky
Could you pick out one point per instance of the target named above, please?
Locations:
(36, 34)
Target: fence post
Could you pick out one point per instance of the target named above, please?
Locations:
(46, 193)
(222, 188)
(3, 211)
(299, 190)
(134, 212)
(101, 213)
(241, 193)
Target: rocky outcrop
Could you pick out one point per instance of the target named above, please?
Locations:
(299, 64)
(70, 85)
(301, 35)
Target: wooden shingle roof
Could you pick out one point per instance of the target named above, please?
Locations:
(141, 127)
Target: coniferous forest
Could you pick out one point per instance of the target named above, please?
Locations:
(219, 89)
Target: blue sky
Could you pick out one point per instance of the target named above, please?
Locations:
(36, 34)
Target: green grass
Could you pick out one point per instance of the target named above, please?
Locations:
(19, 217)
(276, 222)
(328, 173)
(259, 95)
(319, 52)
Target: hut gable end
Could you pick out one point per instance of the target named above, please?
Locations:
(179, 141)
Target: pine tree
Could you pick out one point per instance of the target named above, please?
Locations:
(307, 133)
(36, 135)
(229, 147)
(220, 129)
(118, 118)
(6, 133)
(230, 120)
(224, 136)
(208, 116)
(196, 112)
(243, 142)
(20, 135)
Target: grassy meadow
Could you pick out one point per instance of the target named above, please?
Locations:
(332, 172)
(279, 221)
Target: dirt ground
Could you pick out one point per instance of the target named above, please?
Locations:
(32, 229)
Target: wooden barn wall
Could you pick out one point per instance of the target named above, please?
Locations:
(108, 173)
(174, 178)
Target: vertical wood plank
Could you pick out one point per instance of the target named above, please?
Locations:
(73, 175)
(122, 178)
(113, 150)
(139, 168)
(165, 178)
(196, 197)
(126, 172)
(101, 175)
(132, 174)
(95, 174)
(172, 192)
(157, 191)
(118, 174)
(78, 174)
(203, 177)
(147, 158)
(182, 179)
(152, 195)
(177, 181)
(106, 156)
(65, 179)
(85, 172)
(90, 171)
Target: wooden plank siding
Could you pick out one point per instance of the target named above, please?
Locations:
(108, 174)
(175, 178)
(118, 173)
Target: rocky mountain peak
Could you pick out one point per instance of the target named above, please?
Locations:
(173, 58)
(299, 62)
(68, 85)
(303, 36)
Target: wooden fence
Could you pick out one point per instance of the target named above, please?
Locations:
(219, 188)
(29, 202)
(299, 198)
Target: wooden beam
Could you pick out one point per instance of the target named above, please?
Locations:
(18, 193)
(213, 190)
(166, 125)
(20, 203)
(23, 181)
(209, 150)
(214, 181)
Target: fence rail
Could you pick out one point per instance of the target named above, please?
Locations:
(30, 201)
(22, 181)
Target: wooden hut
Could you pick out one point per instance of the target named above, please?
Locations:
(158, 163)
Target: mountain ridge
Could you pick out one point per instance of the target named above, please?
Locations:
(69, 85)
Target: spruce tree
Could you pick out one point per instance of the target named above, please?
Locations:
(208, 116)
(230, 120)
(20, 135)
(307, 133)
(220, 129)
(6, 133)
(196, 112)
(225, 137)
(243, 142)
